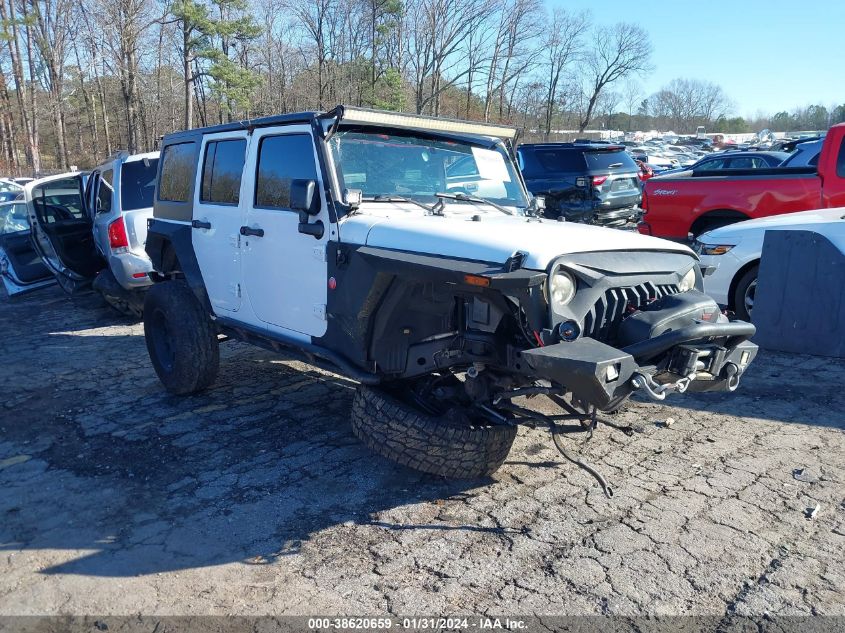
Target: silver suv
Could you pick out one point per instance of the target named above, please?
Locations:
(91, 231)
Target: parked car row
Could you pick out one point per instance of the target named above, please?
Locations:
(687, 204)
(599, 182)
(732, 160)
(406, 253)
(84, 230)
(728, 212)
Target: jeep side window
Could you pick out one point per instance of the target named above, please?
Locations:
(222, 170)
(104, 192)
(282, 159)
(177, 172)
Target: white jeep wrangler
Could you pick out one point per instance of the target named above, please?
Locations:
(404, 252)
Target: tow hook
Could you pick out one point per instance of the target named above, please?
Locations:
(731, 372)
(657, 391)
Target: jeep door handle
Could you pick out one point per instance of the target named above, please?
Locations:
(200, 224)
(246, 230)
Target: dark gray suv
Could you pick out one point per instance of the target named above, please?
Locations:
(595, 183)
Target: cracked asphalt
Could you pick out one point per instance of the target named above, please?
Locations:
(255, 498)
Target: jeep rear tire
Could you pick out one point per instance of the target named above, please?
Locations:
(180, 338)
(442, 445)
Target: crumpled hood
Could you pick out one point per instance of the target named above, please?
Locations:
(494, 238)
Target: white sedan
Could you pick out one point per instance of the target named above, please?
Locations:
(730, 255)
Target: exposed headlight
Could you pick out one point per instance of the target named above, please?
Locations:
(714, 249)
(562, 288)
(688, 281)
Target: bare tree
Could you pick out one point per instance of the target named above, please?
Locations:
(123, 24)
(608, 105)
(562, 45)
(53, 26)
(616, 53)
(9, 154)
(316, 17)
(29, 115)
(524, 25)
(684, 104)
(124, 72)
(632, 94)
(436, 34)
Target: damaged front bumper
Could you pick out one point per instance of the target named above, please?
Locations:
(697, 357)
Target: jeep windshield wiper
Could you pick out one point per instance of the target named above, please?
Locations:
(383, 197)
(473, 199)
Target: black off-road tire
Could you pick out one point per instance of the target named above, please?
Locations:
(434, 445)
(180, 337)
(747, 283)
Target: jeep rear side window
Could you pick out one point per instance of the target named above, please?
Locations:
(222, 170)
(282, 159)
(176, 173)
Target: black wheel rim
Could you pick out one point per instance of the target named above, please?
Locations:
(162, 341)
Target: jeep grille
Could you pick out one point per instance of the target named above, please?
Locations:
(603, 319)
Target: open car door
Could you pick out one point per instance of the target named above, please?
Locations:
(20, 266)
(62, 229)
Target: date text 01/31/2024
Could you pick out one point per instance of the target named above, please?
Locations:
(416, 623)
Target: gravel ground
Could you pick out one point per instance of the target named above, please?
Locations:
(255, 498)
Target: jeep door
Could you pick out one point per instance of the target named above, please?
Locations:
(20, 266)
(218, 217)
(284, 271)
(61, 229)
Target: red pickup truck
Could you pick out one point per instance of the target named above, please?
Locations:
(697, 202)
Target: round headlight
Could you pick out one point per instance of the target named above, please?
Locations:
(563, 288)
(688, 281)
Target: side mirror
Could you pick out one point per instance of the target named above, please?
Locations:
(303, 197)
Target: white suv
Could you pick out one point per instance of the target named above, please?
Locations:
(346, 237)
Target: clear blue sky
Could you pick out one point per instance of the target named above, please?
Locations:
(768, 55)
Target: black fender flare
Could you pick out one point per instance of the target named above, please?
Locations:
(165, 238)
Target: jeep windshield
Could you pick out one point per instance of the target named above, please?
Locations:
(416, 167)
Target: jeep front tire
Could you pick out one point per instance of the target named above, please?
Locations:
(180, 337)
(438, 445)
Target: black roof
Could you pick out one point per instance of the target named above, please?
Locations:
(276, 119)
